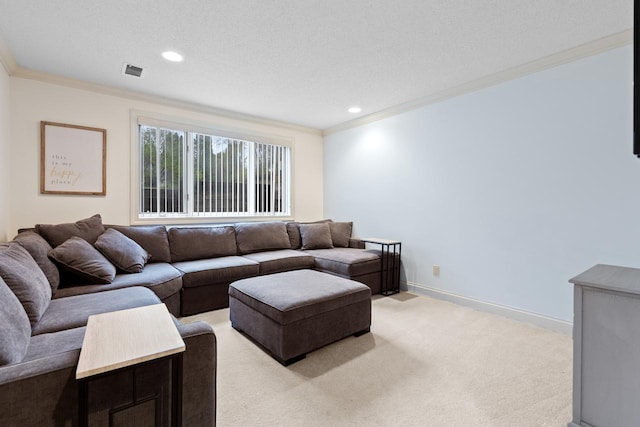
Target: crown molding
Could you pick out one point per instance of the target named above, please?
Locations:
(170, 102)
(604, 44)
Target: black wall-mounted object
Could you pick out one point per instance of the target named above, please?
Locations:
(636, 143)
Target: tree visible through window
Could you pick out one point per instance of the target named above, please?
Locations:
(163, 155)
(184, 173)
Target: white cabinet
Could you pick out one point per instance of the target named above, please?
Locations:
(606, 347)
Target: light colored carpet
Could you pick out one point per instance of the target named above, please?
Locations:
(426, 362)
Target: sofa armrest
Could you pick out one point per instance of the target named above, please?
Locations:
(356, 243)
(199, 374)
(40, 392)
(44, 391)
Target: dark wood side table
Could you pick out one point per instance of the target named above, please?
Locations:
(126, 339)
(389, 264)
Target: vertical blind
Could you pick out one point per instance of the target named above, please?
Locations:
(187, 173)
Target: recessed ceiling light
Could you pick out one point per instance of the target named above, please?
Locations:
(172, 56)
(355, 109)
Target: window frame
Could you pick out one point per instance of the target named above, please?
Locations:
(181, 124)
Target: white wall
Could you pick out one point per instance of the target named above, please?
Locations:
(4, 155)
(33, 101)
(512, 190)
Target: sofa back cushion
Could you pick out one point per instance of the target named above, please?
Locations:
(21, 273)
(88, 229)
(123, 252)
(190, 243)
(152, 238)
(39, 249)
(261, 236)
(79, 257)
(15, 329)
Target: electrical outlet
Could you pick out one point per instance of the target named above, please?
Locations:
(436, 270)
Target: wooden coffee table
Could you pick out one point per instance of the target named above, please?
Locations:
(125, 339)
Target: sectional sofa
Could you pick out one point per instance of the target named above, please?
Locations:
(54, 276)
(190, 268)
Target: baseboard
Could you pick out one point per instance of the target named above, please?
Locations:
(550, 323)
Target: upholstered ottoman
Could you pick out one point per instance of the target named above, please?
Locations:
(292, 313)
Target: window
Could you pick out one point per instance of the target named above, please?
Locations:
(189, 172)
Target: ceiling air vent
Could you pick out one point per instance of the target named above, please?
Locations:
(132, 70)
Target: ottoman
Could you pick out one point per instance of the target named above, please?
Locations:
(292, 313)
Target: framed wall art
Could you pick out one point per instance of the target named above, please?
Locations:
(72, 159)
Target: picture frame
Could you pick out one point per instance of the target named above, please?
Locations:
(72, 159)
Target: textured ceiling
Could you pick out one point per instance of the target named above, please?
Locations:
(298, 61)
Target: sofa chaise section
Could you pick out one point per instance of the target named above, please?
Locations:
(350, 263)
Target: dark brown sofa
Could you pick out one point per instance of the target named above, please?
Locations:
(90, 268)
(190, 268)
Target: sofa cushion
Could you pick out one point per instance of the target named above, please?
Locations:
(294, 232)
(191, 243)
(88, 229)
(39, 249)
(22, 274)
(161, 278)
(347, 262)
(261, 236)
(340, 233)
(212, 271)
(282, 260)
(152, 238)
(74, 311)
(45, 345)
(122, 251)
(315, 236)
(80, 258)
(15, 329)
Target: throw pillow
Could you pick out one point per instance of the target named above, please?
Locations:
(315, 236)
(340, 233)
(15, 330)
(89, 229)
(152, 238)
(80, 258)
(22, 274)
(294, 232)
(39, 249)
(123, 252)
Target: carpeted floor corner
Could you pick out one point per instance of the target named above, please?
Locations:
(426, 362)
